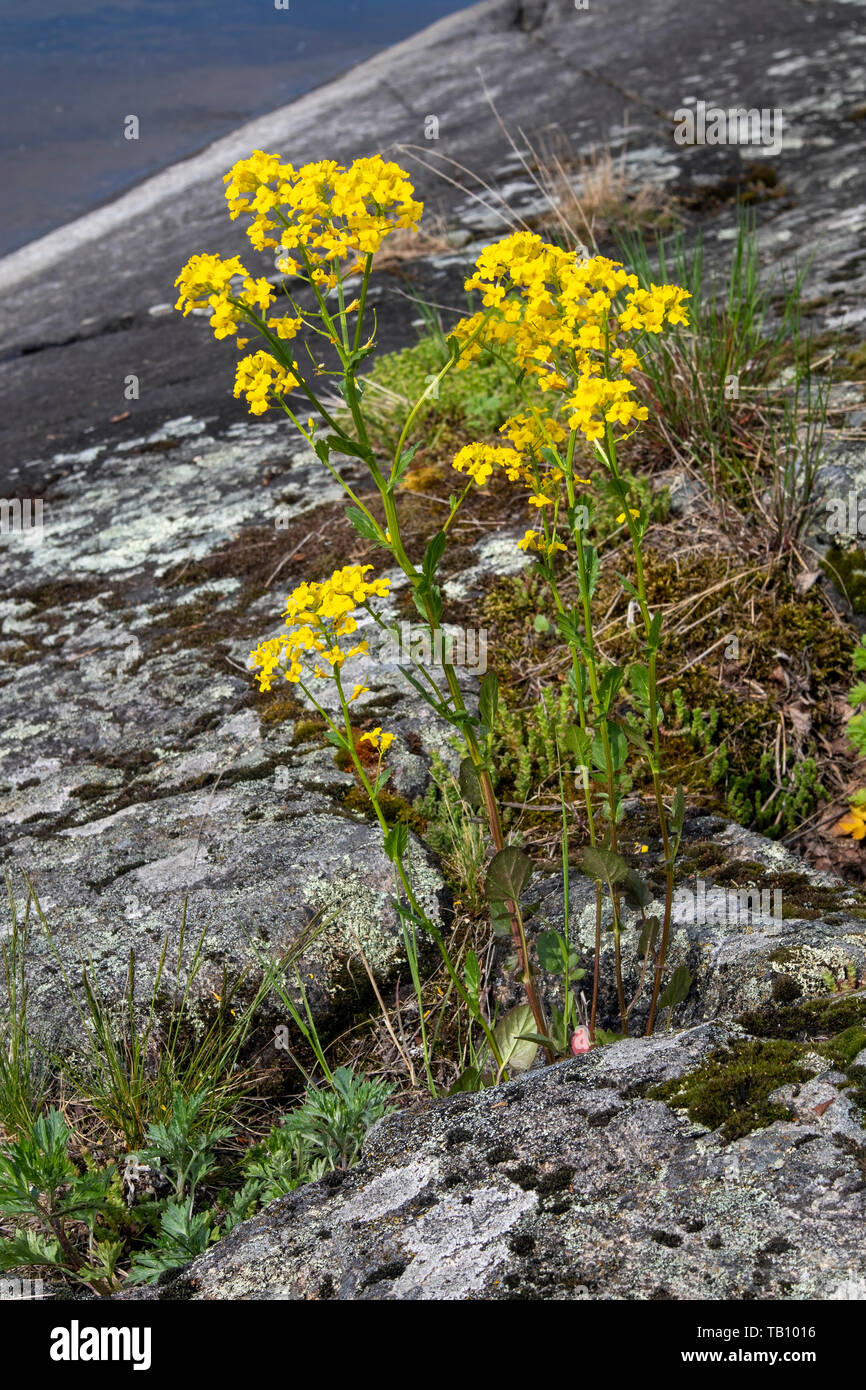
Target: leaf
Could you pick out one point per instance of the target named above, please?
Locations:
(468, 1080)
(593, 567)
(542, 1040)
(637, 892)
(648, 936)
(362, 524)
(635, 736)
(402, 465)
(540, 623)
(509, 872)
(488, 702)
(655, 632)
(603, 1037)
(500, 920)
(472, 974)
(551, 957)
(609, 687)
(347, 446)
(677, 988)
(433, 553)
(579, 742)
(470, 783)
(396, 842)
(679, 811)
(517, 1054)
(618, 745)
(604, 864)
(638, 677)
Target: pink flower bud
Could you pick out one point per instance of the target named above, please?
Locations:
(580, 1041)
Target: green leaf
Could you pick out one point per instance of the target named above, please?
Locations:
(677, 988)
(618, 748)
(362, 524)
(679, 811)
(604, 864)
(470, 783)
(655, 632)
(472, 974)
(433, 553)
(593, 567)
(579, 742)
(628, 586)
(347, 446)
(637, 892)
(396, 842)
(540, 623)
(517, 1054)
(609, 687)
(551, 957)
(635, 736)
(468, 1080)
(402, 465)
(500, 920)
(488, 701)
(603, 1037)
(509, 872)
(648, 936)
(542, 1040)
(638, 679)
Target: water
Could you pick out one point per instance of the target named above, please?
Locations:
(71, 71)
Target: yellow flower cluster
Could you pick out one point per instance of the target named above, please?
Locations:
(324, 211)
(317, 615)
(260, 378)
(479, 460)
(562, 320)
(206, 282)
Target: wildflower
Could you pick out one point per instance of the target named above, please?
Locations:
(479, 460)
(317, 615)
(260, 378)
(382, 742)
(853, 823)
(632, 512)
(580, 1040)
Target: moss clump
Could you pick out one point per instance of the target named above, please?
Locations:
(308, 731)
(845, 1046)
(731, 1090)
(481, 397)
(395, 808)
(809, 1019)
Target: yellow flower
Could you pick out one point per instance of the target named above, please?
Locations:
(853, 823)
(317, 615)
(358, 691)
(621, 516)
(261, 379)
(380, 741)
(479, 460)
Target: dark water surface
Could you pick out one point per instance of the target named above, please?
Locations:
(72, 71)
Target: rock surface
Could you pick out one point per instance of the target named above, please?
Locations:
(570, 1184)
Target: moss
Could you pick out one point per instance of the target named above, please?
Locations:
(481, 397)
(395, 808)
(731, 1090)
(807, 1020)
(845, 1046)
(308, 731)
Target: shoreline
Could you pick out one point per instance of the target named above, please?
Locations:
(217, 156)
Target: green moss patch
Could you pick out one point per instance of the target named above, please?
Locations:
(730, 1091)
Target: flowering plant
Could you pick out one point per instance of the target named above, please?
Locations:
(571, 330)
